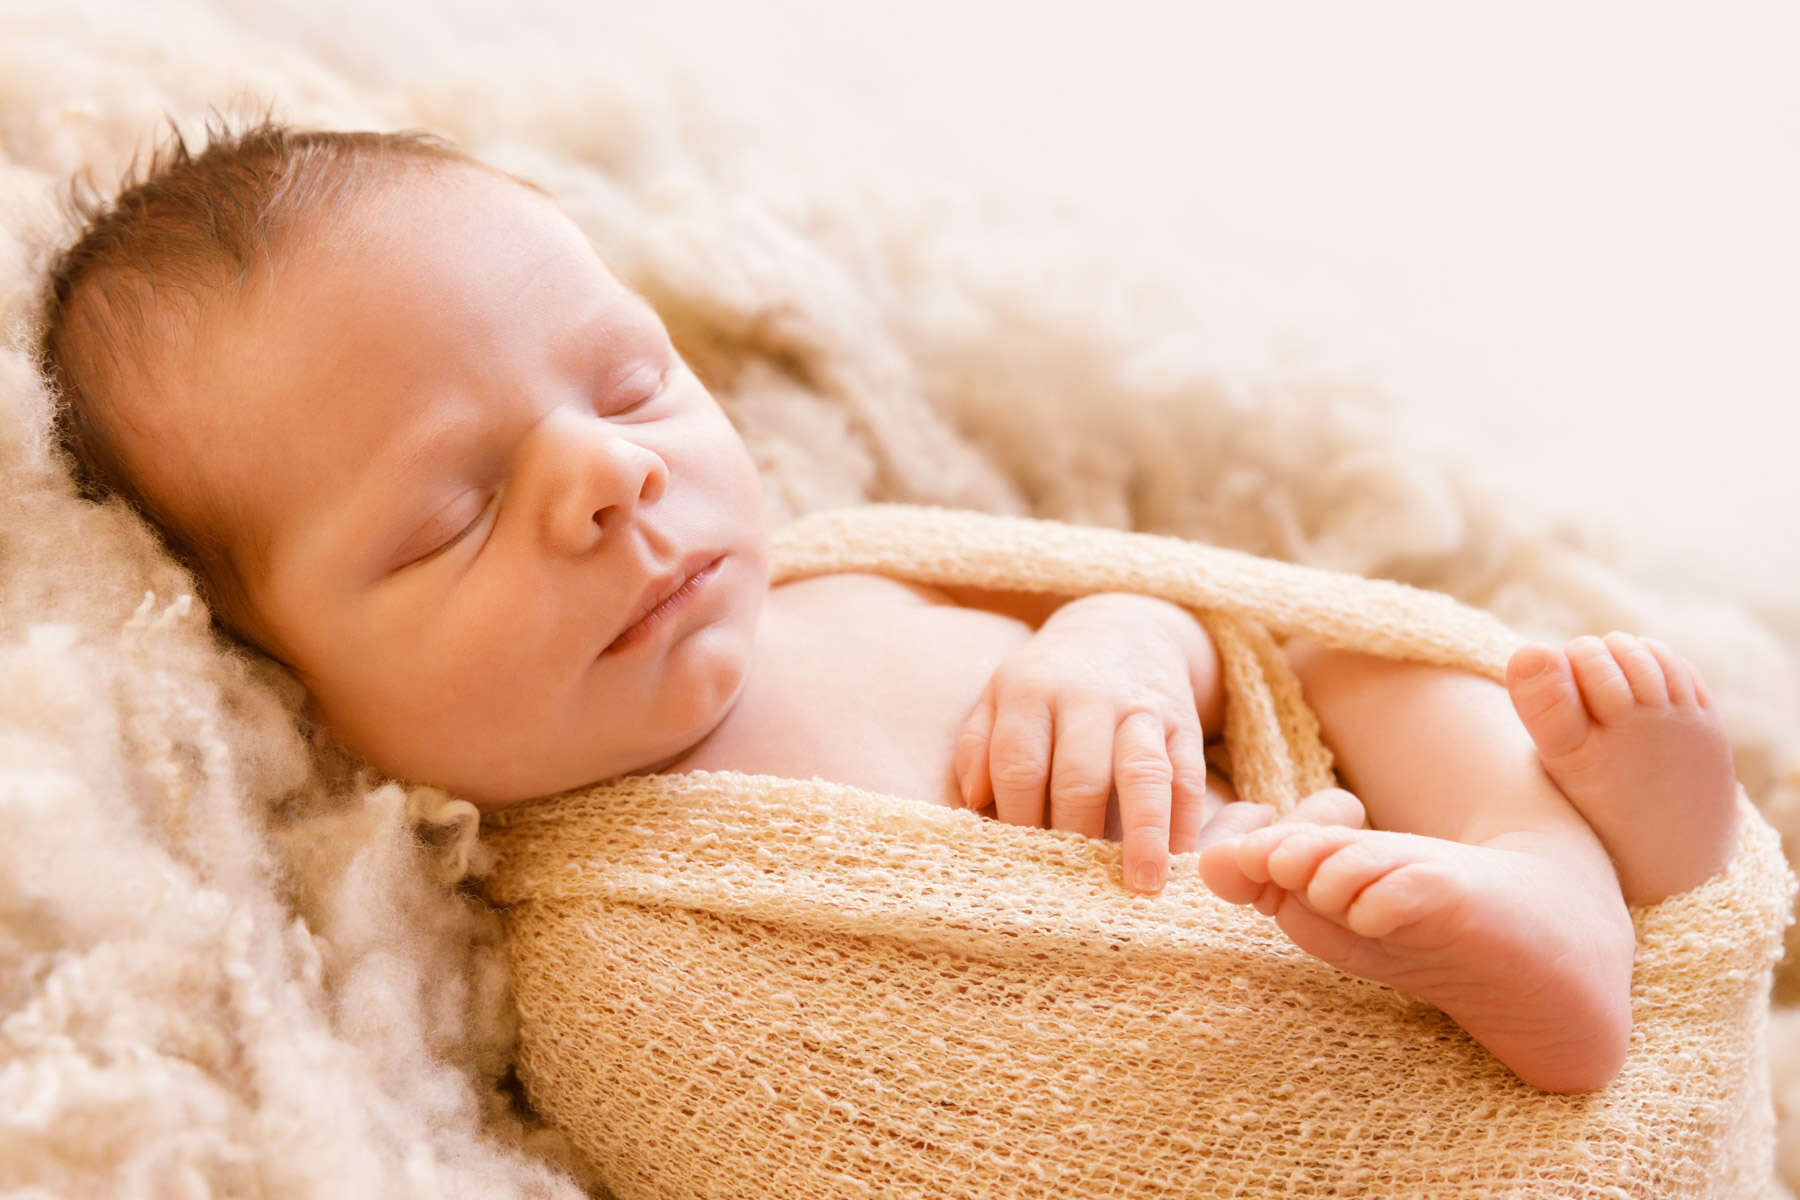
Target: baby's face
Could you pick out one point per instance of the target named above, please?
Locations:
(475, 460)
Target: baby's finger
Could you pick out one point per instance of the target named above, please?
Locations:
(1142, 775)
(1081, 770)
(1019, 760)
(1190, 804)
(970, 762)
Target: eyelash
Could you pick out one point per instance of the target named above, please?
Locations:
(462, 533)
(453, 539)
(653, 387)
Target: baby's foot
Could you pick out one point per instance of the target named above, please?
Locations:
(1627, 730)
(1529, 954)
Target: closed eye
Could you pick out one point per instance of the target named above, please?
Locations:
(439, 544)
(639, 388)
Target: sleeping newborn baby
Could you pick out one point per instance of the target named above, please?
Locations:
(420, 446)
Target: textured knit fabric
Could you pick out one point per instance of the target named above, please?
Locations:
(745, 986)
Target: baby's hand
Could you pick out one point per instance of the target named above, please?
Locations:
(1101, 698)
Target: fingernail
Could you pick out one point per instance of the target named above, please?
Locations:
(1147, 878)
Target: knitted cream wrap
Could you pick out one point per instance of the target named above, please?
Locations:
(745, 986)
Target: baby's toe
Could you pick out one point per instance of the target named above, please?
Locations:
(1604, 688)
(1642, 670)
(1220, 871)
(1402, 896)
(1253, 849)
(1344, 877)
(1330, 806)
(1544, 695)
(1678, 673)
(1292, 864)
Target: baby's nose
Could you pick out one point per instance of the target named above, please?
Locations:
(606, 477)
(637, 476)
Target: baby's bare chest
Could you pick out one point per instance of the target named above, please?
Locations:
(862, 680)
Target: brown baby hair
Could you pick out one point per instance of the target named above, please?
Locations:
(190, 230)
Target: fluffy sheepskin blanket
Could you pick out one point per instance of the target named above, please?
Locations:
(232, 964)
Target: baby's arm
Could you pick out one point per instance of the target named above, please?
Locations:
(1114, 691)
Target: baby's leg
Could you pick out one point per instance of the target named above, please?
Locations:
(1482, 889)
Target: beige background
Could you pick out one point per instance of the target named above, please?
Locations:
(1582, 216)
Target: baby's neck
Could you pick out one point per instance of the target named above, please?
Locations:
(751, 716)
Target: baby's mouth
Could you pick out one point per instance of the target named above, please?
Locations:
(661, 604)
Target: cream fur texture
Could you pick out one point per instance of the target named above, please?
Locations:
(233, 964)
